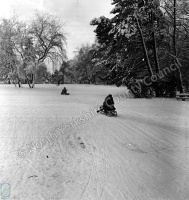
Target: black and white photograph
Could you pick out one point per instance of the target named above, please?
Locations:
(94, 99)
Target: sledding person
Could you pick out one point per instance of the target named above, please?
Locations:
(108, 104)
(64, 91)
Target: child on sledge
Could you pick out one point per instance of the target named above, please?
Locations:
(108, 104)
(64, 91)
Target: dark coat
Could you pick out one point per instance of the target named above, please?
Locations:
(108, 103)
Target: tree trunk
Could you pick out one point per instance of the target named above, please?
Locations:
(19, 82)
(156, 84)
(155, 52)
(28, 81)
(175, 48)
(33, 80)
(180, 75)
(144, 47)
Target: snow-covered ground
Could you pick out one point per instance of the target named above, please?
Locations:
(55, 147)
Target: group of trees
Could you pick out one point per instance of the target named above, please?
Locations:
(84, 68)
(143, 46)
(141, 42)
(64, 74)
(26, 47)
(84, 65)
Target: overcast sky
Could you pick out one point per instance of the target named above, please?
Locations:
(76, 13)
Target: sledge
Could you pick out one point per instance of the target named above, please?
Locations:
(109, 113)
(65, 93)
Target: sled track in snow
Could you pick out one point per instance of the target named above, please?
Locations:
(140, 154)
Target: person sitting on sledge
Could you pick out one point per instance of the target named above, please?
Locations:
(64, 91)
(108, 104)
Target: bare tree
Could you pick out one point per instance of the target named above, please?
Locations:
(28, 46)
(9, 61)
(48, 40)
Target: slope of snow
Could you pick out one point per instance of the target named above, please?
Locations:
(141, 154)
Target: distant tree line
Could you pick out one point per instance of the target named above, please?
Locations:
(84, 68)
(143, 46)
